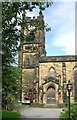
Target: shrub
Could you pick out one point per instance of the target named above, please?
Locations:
(9, 103)
(10, 115)
(37, 105)
(73, 112)
(61, 105)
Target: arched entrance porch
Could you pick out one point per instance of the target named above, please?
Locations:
(50, 90)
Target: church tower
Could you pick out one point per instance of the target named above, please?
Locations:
(33, 49)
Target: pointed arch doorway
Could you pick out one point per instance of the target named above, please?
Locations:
(51, 95)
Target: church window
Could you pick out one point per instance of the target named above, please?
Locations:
(27, 47)
(64, 72)
(31, 60)
(52, 72)
(32, 35)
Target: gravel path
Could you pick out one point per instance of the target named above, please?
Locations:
(30, 113)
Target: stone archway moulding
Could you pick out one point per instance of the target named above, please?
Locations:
(52, 79)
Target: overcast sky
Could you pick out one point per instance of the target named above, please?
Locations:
(61, 18)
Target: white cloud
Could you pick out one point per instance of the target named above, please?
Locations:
(64, 0)
(62, 22)
(66, 42)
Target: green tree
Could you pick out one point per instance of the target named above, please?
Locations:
(10, 37)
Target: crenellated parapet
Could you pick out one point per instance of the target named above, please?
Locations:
(29, 19)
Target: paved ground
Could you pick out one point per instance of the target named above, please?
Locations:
(29, 112)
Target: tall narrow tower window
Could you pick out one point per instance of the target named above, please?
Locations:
(31, 60)
(32, 35)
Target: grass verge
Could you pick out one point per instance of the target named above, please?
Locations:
(10, 115)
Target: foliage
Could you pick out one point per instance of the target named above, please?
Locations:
(73, 113)
(11, 35)
(37, 105)
(10, 86)
(10, 115)
(10, 38)
(9, 102)
(61, 105)
(10, 81)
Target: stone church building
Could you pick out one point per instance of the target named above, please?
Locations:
(45, 78)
